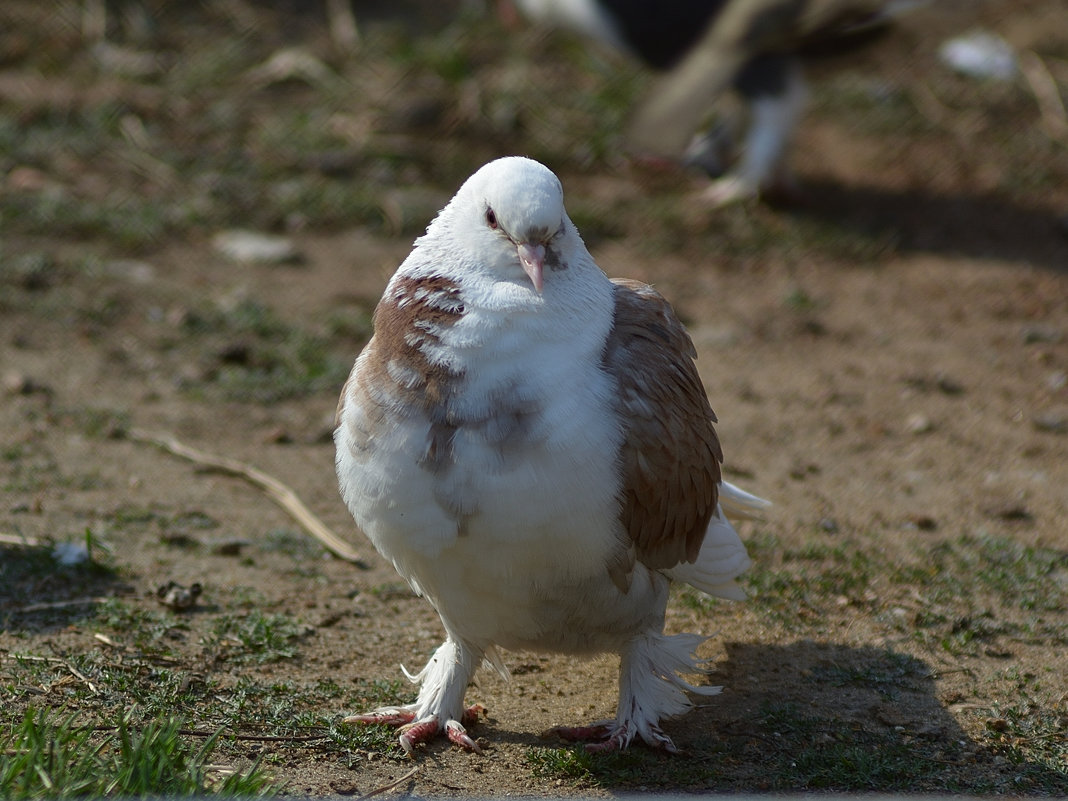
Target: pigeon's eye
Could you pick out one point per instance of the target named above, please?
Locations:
(491, 219)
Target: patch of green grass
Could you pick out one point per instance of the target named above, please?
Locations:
(365, 696)
(857, 764)
(981, 589)
(256, 637)
(824, 753)
(890, 670)
(46, 757)
(131, 222)
(872, 105)
(560, 763)
(1017, 575)
(152, 632)
(376, 738)
(1033, 734)
(259, 357)
(35, 572)
(120, 615)
(976, 588)
(99, 422)
(291, 543)
(619, 768)
(810, 579)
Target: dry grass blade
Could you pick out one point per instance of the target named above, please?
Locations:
(1047, 95)
(19, 540)
(279, 492)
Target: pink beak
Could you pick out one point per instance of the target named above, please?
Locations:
(532, 257)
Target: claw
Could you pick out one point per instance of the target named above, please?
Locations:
(473, 714)
(608, 736)
(458, 735)
(616, 742)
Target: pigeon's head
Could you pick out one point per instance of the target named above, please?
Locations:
(511, 212)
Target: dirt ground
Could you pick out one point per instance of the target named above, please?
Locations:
(888, 359)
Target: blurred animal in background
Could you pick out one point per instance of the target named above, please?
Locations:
(708, 47)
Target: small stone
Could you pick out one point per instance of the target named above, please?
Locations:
(1051, 422)
(342, 787)
(924, 522)
(278, 436)
(979, 54)
(251, 247)
(126, 61)
(229, 547)
(949, 386)
(132, 270)
(918, 424)
(1042, 334)
(1010, 511)
(27, 179)
(16, 383)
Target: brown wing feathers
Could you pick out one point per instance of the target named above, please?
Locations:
(670, 455)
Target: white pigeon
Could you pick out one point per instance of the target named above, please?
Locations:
(530, 445)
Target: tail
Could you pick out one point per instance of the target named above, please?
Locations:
(739, 504)
(723, 556)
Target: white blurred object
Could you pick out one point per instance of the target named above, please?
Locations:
(253, 247)
(980, 54)
(70, 553)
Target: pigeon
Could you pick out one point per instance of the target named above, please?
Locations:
(709, 46)
(530, 444)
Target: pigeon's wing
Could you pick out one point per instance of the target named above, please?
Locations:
(670, 455)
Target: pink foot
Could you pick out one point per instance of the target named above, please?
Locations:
(413, 732)
(582, 734)
(608, 736)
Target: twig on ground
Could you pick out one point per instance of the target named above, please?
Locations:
(258, 738)
(391, 785)
(18, 539)
(255, 738)
(46, 605)
(55, 660)
(275, 489)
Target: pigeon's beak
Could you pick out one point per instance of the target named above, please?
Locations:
(532, 257)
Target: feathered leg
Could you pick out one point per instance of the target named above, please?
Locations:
(775, 91)
(440, 704)
(650, 689)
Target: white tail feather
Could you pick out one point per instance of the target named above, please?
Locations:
(739, 504)
(722, 557)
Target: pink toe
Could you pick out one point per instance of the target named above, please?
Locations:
(581, 734)
(391, 717)
(459, 736)
(420, 732)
